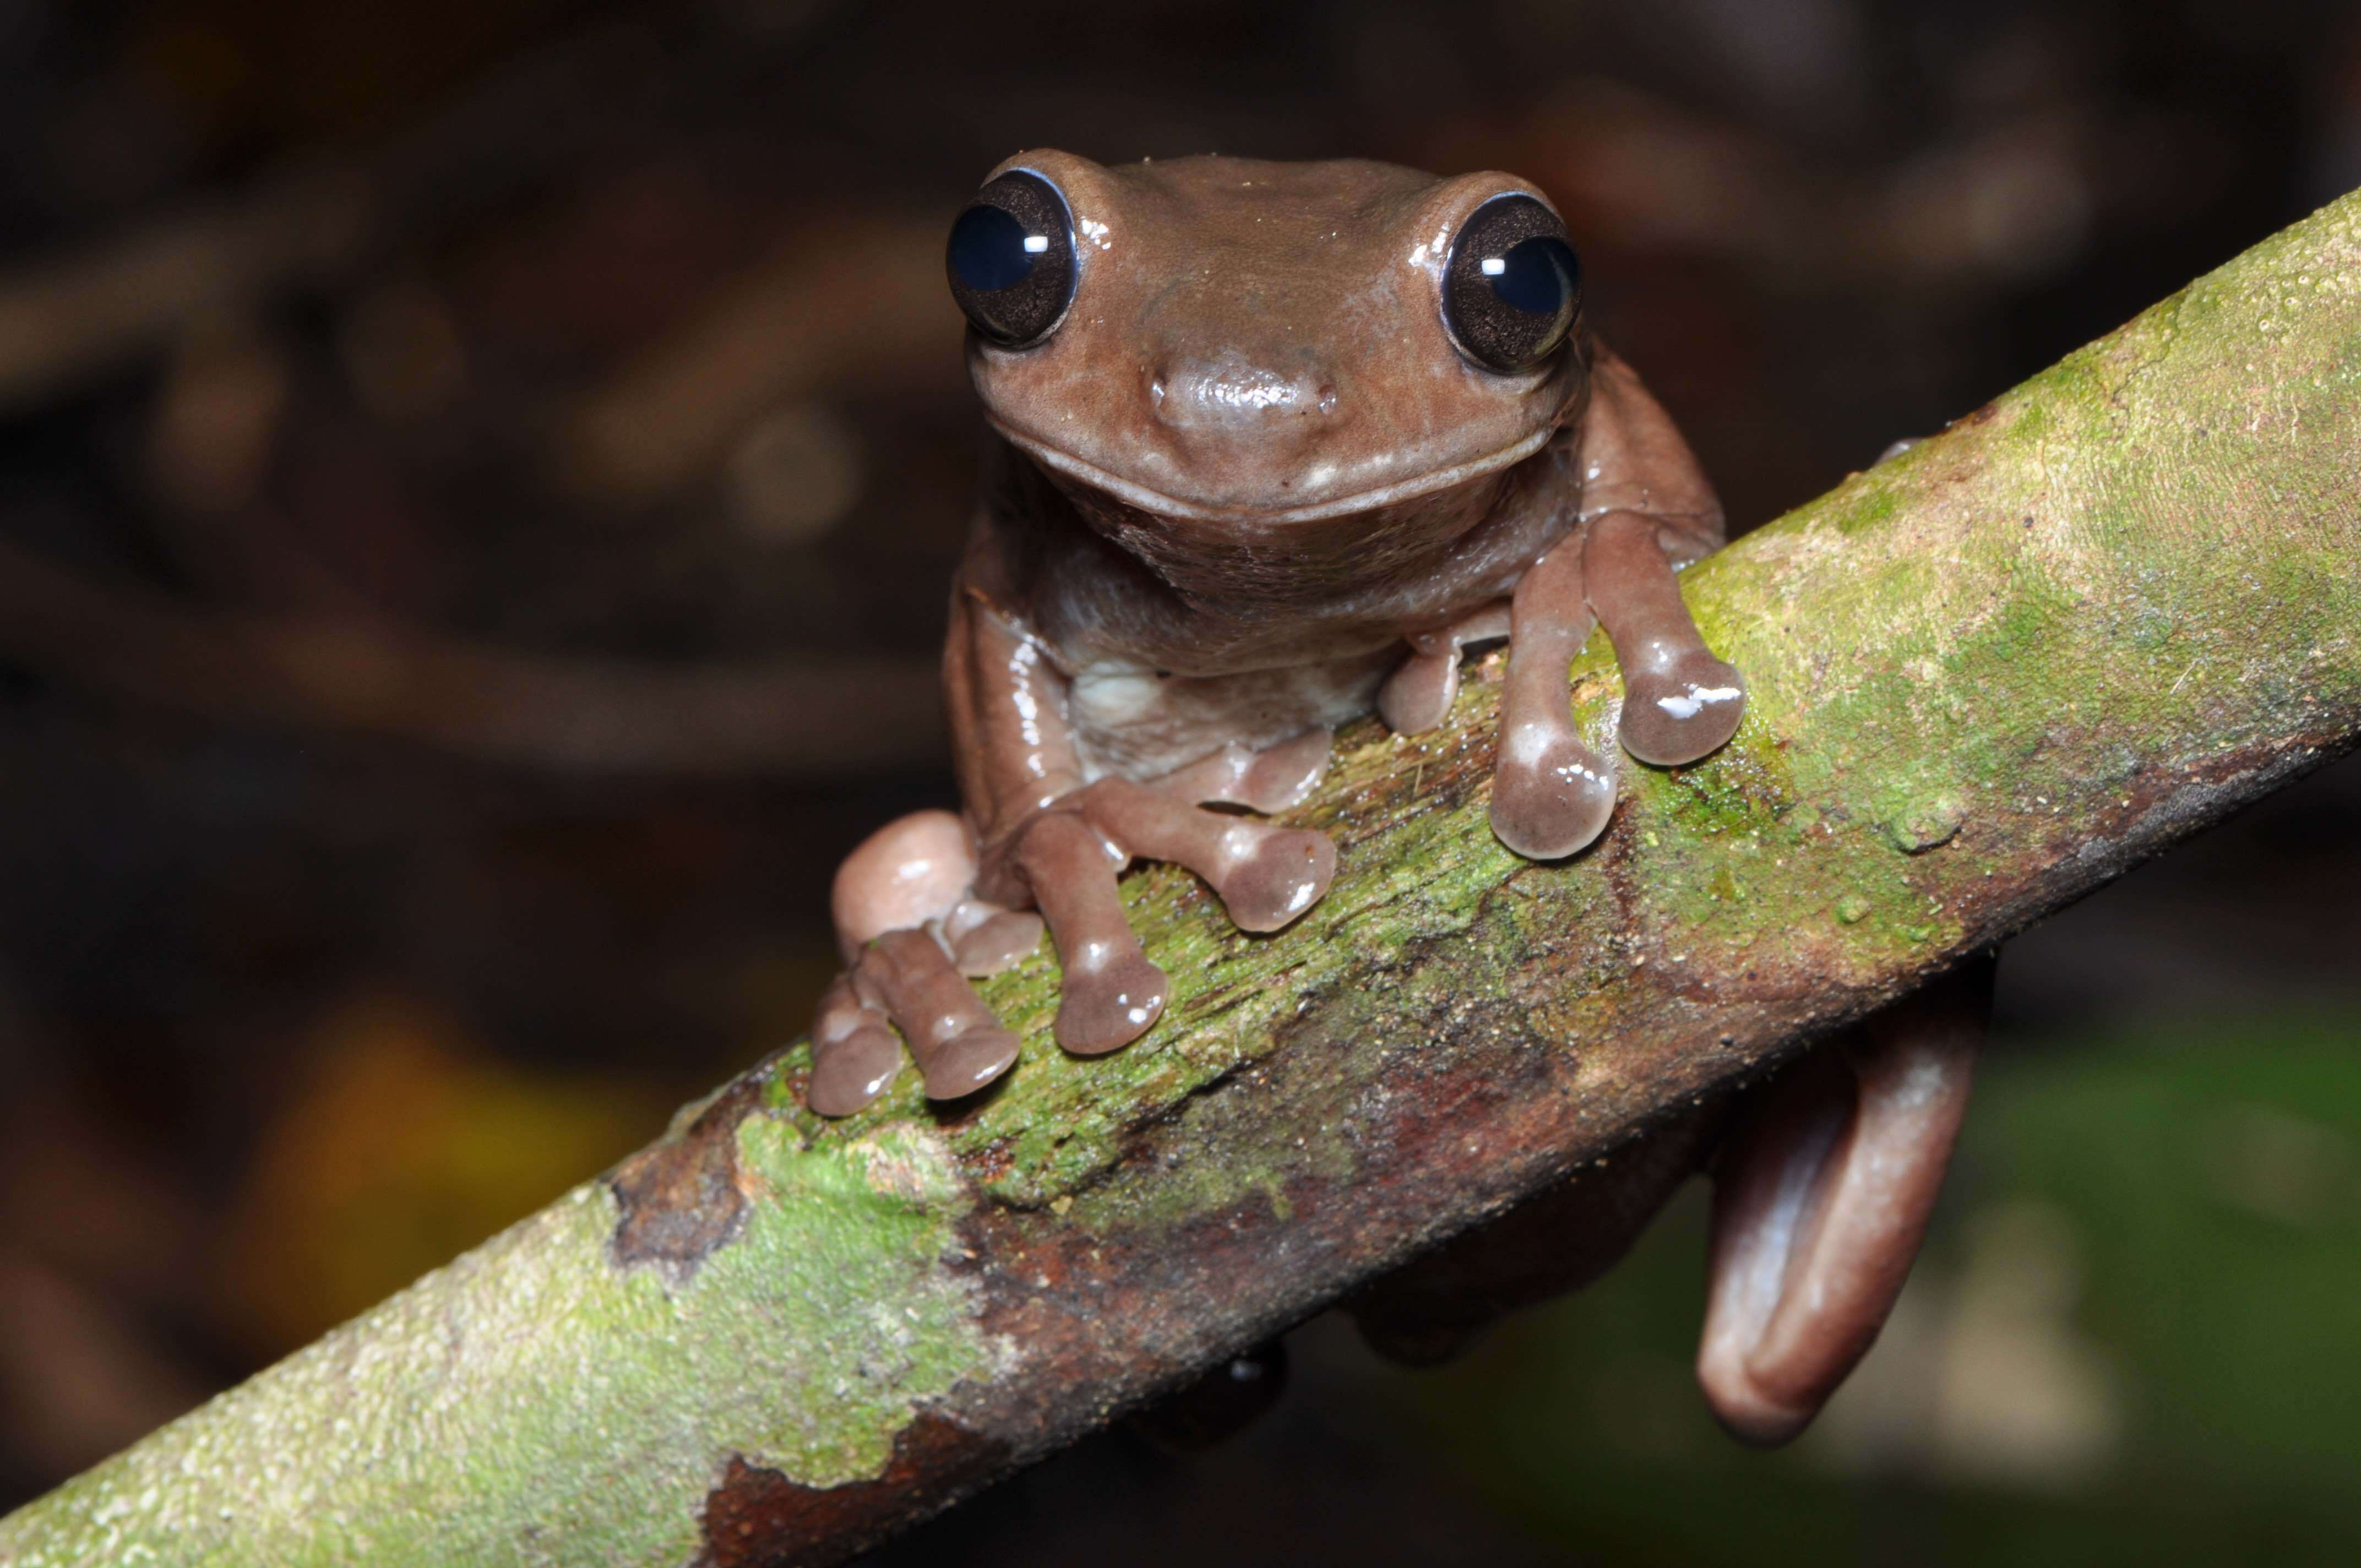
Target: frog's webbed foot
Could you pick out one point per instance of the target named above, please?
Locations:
(1680, 702)
(1069, 858)
(1551, 793)
(1821, 1196)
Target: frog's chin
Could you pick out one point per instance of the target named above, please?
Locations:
(1159, 503)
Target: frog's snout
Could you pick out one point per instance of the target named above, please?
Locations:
(1232, 394)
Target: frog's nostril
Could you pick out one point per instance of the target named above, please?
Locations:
(1232, 393)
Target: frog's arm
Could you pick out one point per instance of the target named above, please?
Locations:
(1011, 741)
(930, 900)
(1635, 460)
(1055, 842)
(904, 902)
(1645, 510)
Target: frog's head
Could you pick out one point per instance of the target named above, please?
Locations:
(1233, 344)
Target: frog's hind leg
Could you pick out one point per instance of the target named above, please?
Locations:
(1679, 700)
(1821, 1195)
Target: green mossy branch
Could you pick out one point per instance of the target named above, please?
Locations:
(1985, 677)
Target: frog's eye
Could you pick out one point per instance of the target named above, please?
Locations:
(1513, 288)
(1011, 260)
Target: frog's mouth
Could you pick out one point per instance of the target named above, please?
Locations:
(1158, 503)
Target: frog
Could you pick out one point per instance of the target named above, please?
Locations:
(1273, 446)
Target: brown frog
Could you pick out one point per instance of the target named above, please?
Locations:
(1275, 444)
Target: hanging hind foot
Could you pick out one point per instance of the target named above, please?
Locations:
(916, 916)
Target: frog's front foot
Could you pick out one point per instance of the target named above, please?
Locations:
(1067, 858)
(918, 913)
(904, 979)
(1552, 795)
(1680, 702)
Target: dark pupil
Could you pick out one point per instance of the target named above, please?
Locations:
(1535, 277)
(988, 250)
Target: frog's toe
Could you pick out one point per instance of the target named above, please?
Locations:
(1109, 1005)
(1287, 773)
(1266, 876)
(850, 1071)
(969, 1061)
(1275, 875)
(985, 940)
(1551, 795)
(1682, 711)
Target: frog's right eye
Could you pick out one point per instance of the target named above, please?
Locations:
(1512, 287)
(1011, 260)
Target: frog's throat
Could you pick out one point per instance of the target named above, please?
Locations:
(1158, 504)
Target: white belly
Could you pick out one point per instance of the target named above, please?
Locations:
(1131, 721)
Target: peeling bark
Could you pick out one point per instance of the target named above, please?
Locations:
(680, 1197)
(1986, 676)
(753, 1509)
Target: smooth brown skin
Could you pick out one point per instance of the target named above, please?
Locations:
(1247, 490)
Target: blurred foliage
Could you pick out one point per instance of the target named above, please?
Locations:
(400, 1148)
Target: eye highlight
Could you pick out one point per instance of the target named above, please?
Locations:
(1512, 286)
(1011, 260)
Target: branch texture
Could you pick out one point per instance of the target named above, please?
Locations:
(1986, 676)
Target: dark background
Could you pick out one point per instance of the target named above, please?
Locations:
(358, 359)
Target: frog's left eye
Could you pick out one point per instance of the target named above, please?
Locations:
(1512, 289)
(1011, 260)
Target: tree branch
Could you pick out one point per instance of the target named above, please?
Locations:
(1986, 676)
